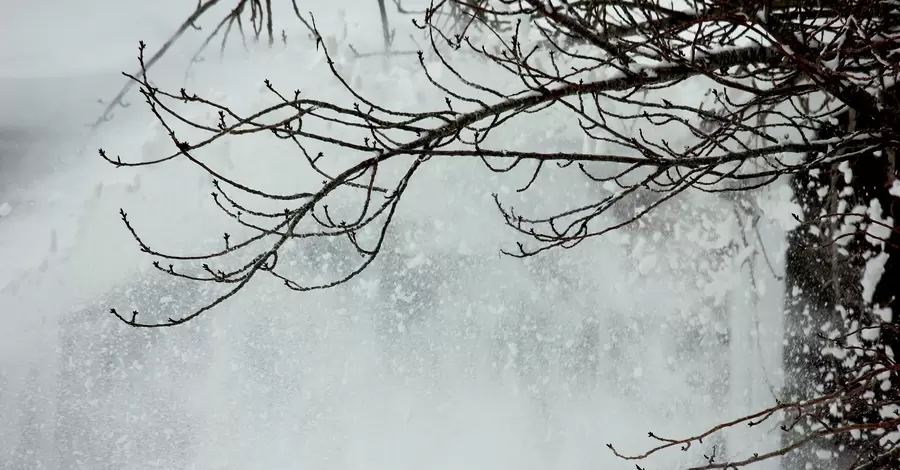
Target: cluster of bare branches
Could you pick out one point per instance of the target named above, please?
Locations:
(260, 17)
(818, 418)
(257, 14)
(771, 76)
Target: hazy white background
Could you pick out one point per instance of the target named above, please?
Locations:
(443, 356)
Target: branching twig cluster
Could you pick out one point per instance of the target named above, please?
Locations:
(774, 72)
(260, 12)
(857, 389)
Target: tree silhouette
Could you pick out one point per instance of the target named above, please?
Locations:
(796, 88)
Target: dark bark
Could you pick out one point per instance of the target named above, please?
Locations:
(824, 290)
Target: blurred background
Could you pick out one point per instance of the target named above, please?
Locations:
(444, 355)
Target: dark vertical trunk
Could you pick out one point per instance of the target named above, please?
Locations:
(825, 294)
(385, 27)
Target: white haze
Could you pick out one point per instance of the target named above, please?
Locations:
(444, 355)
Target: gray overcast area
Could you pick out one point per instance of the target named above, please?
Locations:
(444, 355)
(56, 60)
